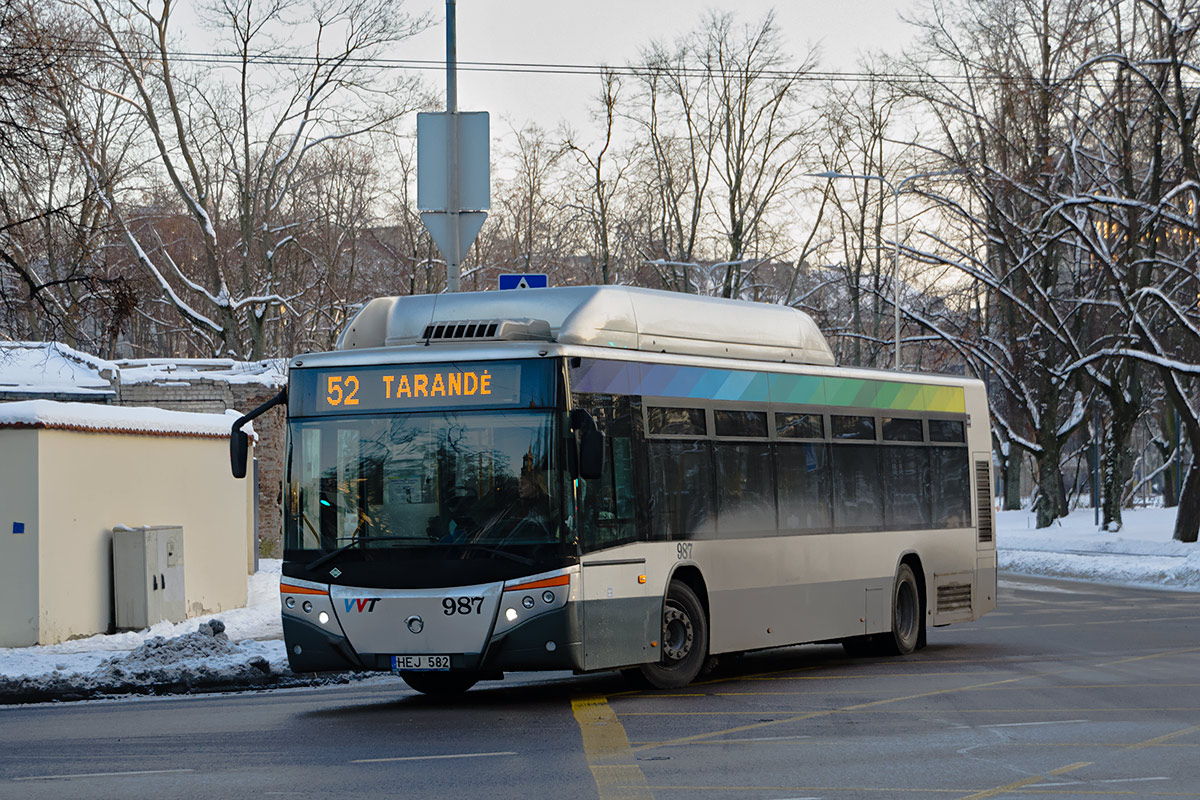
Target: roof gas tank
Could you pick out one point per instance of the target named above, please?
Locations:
(622, 317)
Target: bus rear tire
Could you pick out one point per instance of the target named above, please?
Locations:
(907, 615)
(684, 644)
(440, 684)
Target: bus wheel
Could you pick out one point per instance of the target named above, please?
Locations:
(440, 684)
(684, 644)
(907, 614)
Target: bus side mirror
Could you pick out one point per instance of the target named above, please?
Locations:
(590, 463)
(239, 442)
(239, 447)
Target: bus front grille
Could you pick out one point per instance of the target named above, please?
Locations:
(953, 597)
(983, 499)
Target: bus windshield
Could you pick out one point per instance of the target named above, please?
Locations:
(458, 483)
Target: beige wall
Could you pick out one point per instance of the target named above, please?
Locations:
(18, 553)
(90, 482)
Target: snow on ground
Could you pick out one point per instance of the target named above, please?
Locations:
(1142, 553)
(244, 647)
(240, 647)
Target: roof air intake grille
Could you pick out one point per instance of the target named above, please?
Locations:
(474, 330)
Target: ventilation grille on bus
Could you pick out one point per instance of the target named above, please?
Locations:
(983, 499)
(482, 329)
(953, 597)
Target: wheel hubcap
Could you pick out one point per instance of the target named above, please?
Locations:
(677, 634)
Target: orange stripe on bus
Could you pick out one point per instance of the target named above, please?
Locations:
(561, 580)
(287, 588)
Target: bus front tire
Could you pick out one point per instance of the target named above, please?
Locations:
(684, 643)
(440, 684)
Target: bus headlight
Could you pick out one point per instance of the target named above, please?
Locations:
(322, 617)
(290, 602)
(547, 596)
(307, 607)
(527, 602)
(510, 614)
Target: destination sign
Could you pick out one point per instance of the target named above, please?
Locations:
(395, 388)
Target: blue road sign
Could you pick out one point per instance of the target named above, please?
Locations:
(531, 281)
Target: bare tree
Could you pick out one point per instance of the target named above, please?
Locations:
(233, 150)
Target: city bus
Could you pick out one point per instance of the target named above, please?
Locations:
(613, 478)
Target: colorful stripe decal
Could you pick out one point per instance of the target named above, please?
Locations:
(700, 383)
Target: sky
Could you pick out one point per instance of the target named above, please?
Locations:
(613, 32)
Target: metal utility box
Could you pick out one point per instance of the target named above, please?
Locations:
(148, 575)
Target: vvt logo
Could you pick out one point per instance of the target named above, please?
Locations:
(361, 604)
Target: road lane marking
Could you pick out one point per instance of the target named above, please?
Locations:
(823, 713)
(431, 758)
(102, 774)
(1157, 740)
(606, 747)
(1008, 787)
(1152, 655)
(1030, 724)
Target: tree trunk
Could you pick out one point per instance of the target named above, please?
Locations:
(1118, 466)
(1050, 488)
(1012, 479)
(1187, 519)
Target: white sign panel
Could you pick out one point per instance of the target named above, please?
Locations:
(474, 161)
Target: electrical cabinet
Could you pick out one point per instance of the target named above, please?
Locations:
(148, 575)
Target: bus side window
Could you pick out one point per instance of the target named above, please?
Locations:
(607, 504)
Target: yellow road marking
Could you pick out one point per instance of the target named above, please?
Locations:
(824, 713)
(1158, 740)
(607, 750)
(1075, 624)
(1005, 688)
(1152, 655)
(1008, 787)
(889, 791)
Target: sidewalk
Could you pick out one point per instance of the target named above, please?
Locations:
(245, 648)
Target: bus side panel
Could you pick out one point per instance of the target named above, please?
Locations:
(788, 589)
(621, 616)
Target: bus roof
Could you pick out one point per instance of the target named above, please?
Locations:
(622, 317)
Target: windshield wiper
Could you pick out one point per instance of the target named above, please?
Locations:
(332, 554)
(496, 552)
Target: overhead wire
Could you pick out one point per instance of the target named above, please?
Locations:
(215, 58)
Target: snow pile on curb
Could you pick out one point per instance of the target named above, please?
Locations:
(204, 658)
(1142, 553)
(243, 648)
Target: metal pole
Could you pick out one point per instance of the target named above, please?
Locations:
(896, 270)
(454, 258)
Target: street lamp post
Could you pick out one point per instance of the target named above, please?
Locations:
(896, 189)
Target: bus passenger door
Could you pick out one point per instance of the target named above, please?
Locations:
(620, 616)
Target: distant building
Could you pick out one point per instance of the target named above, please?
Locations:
(53, 371)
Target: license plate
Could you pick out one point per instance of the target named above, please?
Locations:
(420, 663)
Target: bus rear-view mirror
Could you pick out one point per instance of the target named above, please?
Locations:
(239, 448)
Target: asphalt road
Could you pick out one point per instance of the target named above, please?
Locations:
(1069, 690)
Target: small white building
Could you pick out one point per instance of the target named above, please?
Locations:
(71, 472)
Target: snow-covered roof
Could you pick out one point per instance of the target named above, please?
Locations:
(53, 368)
(50, 368)
(95, 418)
(272, 372)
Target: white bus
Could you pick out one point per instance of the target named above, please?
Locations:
(600, 478)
